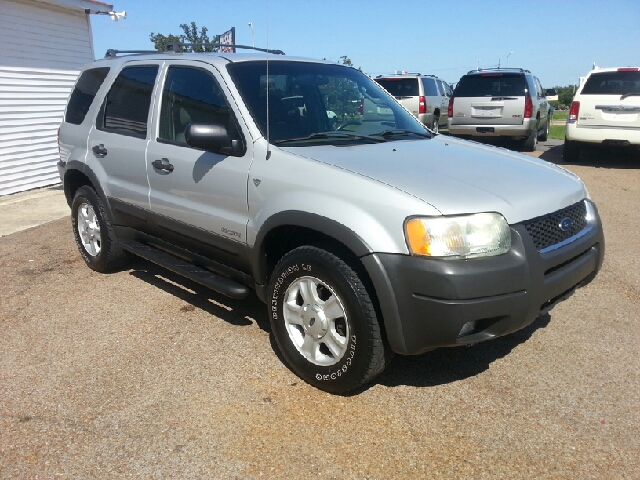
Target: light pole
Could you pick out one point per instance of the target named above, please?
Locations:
(478, 69)
(253, 44)
(508, 59)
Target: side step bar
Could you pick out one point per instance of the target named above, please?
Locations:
(192, 272)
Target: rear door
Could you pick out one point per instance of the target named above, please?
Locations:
(611, 99)
(490, 99)
(444, 105)
(405, 90)
(119, 141)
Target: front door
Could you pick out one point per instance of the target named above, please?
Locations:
(197, 195)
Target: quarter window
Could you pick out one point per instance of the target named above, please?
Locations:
(83, 94)
(126, 108)
(430, 88)
(192, 95)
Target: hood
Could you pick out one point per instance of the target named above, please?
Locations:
(456, 176)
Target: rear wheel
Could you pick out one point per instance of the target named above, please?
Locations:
(545, 135)
(570, 151)
(93, 233)
(324, 322)
(531, 143)
(435, 125)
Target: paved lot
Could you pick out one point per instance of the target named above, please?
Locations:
(142, 374)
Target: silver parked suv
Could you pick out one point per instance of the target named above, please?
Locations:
(363, 232)
(500, 103)
(426, 96)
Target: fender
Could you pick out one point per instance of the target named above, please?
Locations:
(312, 221)
(89, 173)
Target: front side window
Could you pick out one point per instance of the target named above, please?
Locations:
(613, 83)
(192, 95)
(307, 103)
(126, 107)
(83, 94)
(491, 85)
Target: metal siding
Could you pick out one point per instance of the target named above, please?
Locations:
(43, 49)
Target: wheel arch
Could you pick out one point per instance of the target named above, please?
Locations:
(78, 174)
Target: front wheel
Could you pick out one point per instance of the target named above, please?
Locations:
(324, 322)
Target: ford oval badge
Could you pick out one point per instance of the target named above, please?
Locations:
(566, 224)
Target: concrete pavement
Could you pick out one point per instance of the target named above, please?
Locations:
(31, 208)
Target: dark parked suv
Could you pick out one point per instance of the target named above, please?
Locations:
(500, 103)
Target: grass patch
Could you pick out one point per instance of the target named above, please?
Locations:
(557, 131)
(560, 115)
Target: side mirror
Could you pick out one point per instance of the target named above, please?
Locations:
(212, 137)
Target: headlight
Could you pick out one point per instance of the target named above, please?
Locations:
(477, 235)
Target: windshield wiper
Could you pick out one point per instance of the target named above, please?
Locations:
(629, 95)
(328, 136)
(392, 133)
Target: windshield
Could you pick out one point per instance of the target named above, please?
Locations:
(491, 85)
(312, 103)
(612, 83)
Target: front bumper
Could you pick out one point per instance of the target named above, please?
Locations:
(426, 303)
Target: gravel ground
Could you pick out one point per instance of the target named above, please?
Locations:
(142, 374)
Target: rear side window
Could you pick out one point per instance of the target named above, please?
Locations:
(83, 94)
(612, 83)
(491, 85)
(126, 107)
(430, 88)
(400, 87)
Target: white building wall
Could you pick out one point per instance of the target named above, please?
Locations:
(42, 49)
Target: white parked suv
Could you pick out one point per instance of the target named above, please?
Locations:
(605, 110)
(363, 236)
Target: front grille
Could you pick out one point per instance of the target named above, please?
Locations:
(546, 230)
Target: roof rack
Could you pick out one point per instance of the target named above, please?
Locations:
(493, 69)
(406, 74)
(175, 47)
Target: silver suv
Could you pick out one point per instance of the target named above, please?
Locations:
(500, 103)
(364, 236)
(426, 96)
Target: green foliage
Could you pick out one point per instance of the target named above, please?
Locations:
(565, 94)
(339, 95)
(190, 35)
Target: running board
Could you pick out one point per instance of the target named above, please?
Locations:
(192, 272)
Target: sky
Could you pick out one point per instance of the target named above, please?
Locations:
(558, 41)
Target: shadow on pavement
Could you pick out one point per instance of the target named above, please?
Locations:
(597, 156)
(447, 365)
(236, 312)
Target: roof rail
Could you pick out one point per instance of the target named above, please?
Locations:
(493, 69)
(411, 74)
(175, 47)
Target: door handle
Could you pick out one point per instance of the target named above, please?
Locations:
(162, 165)
(99, 150)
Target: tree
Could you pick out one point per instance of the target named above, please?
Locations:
(339, 94)
(190, 35)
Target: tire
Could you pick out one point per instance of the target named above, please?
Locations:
(545, 134)
(570, 151)
(324, 322)
(93, 232)
(531, 143)
(435, 125)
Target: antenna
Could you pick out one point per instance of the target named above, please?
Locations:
(267, 85)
